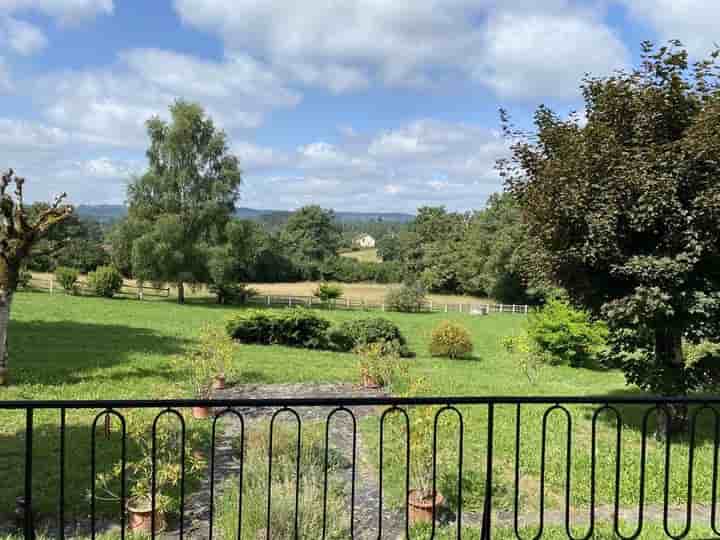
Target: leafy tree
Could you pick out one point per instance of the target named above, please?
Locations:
(229, 263)
(624, 210)
(310, 237)
(18, 234)
(186, 197)
(388, 248)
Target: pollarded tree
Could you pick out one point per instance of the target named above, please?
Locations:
(186, 197)
(624, 209)
(18, 234)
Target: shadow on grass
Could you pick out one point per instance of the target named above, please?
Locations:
(60, 352)
(632, 418)
(78, 451)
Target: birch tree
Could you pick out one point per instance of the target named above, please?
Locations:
(19, 232)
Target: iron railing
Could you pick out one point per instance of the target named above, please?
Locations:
(619, 414)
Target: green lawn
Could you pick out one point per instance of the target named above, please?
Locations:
(65, 347)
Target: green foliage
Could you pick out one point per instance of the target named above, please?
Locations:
(295, 327)
(105, 281)
(389, 248)
(565, 335)
(310, 237)
(450, 340)
(622, 209)
(380, 365)
(408, 298)
(67, 278)
(183, 202)
(369, 331)
(328, 291)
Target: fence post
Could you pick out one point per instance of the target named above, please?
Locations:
(526, 309)
(487, 506)
(51, 284)
(268, 299)
(140, 291)
(289, 301)
(446, 308)
(347, 303)
(513, 308)
(382, 306)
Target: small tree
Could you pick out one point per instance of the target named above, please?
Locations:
(67, 277)
(18, 234)
(106, 281)
(327, 292)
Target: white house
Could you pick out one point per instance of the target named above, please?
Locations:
(364, 241)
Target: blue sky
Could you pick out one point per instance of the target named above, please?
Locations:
(355, 105)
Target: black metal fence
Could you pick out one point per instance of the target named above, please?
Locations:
(500, 510)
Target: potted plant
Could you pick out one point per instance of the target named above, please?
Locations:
(421, 497)
(139, 471)
(201, 374)
(378, 365)
(217, 349)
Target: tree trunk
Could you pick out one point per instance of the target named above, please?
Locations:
(5, 302)
(669, 354)
(181, 293)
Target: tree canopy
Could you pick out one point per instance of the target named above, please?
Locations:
(622, 210)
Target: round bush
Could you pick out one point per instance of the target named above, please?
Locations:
(450, 340)
(408, 298)
(105, 281)
(67, 278)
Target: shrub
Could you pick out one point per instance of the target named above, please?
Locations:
(296, 327)
(216, 349)
(67, 278)
(378, 365)
(328, 291)
(450, 340)
(373, 330)
(565, 335)
(105, 281)
(703, 368)
(408, 298)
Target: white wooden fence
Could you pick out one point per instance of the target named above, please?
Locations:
(273, 300)
(146, 291)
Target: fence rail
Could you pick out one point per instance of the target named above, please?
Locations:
(52, 286)
(553, 443)
(362, 304)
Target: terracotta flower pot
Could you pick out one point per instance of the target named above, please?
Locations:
(421, 506)
(219, 382)
(201, 412)
(140, 516)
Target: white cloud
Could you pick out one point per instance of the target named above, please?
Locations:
(66, 11)
(529, 55)
(694, 22)
(253, 157)
(21, 135)
(349, 45)
(22, 37)
(111, 105)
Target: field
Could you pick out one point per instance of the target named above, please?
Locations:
(66, 347)
(363, 255)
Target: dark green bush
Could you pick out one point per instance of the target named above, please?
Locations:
(67, 278)
(105, 281)
(408, 298)
(565, 335)
(361, 332)
(296, 327)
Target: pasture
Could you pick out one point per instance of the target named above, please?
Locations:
(363, 255)
(68, 347)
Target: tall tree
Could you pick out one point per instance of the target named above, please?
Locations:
(624, 209)
(186, 197)
(18, 234)
(311, 236)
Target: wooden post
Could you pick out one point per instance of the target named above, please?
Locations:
(289, 301)
(51, 284)
(446, 308)
(268, 299)
(347, 303)
(526, 309)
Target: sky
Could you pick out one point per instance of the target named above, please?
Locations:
(356, 105)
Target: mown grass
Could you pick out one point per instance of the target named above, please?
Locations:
(65, 347)
(362, 255)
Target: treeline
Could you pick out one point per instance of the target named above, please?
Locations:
(181, 229)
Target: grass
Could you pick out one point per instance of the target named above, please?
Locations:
(363, 255)
(65, 347)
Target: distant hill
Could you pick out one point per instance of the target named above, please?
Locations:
(113, 212)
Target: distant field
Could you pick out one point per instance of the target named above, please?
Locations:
(373, 292)
(363, 255)
(368, 291)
